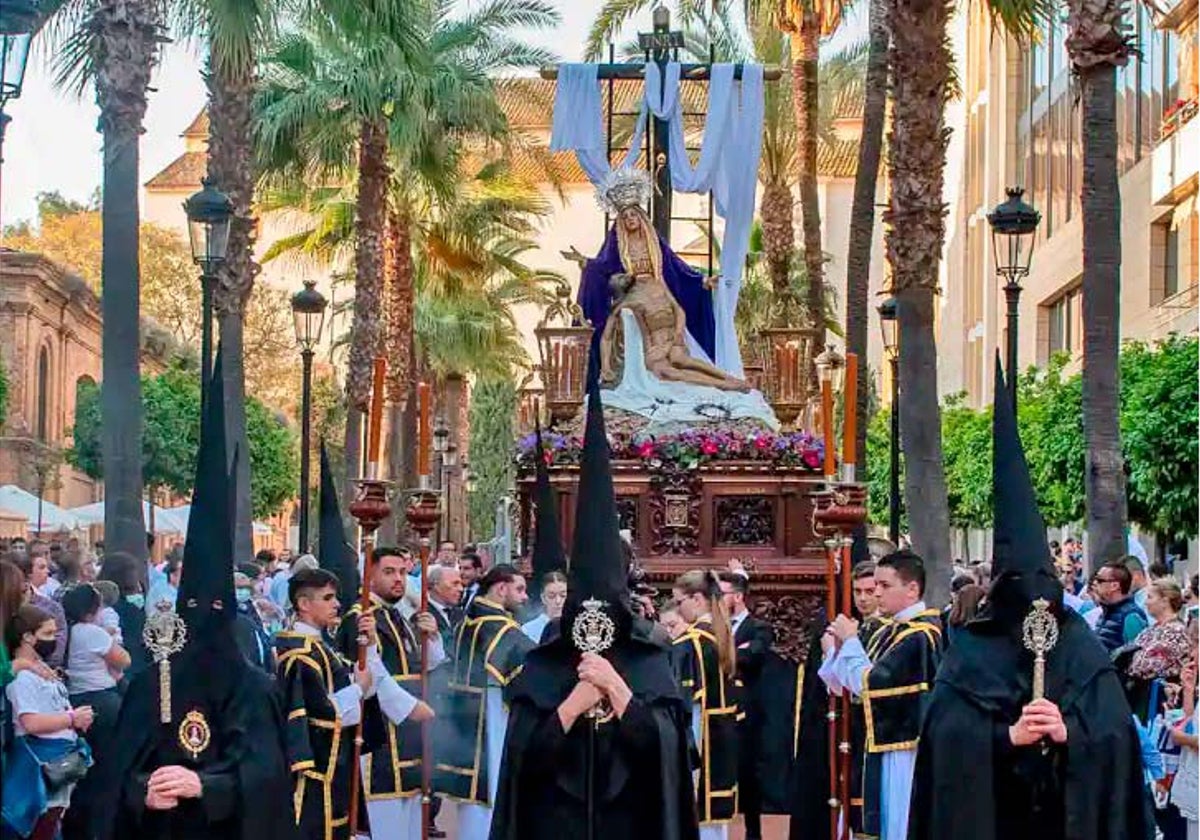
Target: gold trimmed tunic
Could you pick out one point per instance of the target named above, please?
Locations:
(714, 699)
(319, 746)
(489, 651)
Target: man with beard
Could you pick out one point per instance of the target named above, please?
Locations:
(198, 750)
(597, 740)
(993, 761)
(391, 771)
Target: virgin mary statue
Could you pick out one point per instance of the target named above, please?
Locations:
(655, 333)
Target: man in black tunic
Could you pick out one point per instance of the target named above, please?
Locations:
(598, 737)
(993, 765)
(216, 768)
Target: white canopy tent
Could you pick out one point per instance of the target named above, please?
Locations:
(165, 521)
(53, 518)
(182, 513)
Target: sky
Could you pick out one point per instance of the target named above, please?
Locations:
(52, 142)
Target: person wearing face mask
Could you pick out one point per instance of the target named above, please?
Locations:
(251, 636)
(47, 729)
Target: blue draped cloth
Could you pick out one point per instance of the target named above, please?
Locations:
(685, 283)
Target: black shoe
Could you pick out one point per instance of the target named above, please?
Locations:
(434, 831)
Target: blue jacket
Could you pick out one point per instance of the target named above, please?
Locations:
(1120, 624)
(25, 794)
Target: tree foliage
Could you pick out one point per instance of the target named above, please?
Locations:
(1159, 422)
(171, 437)
(3, 393)
(493, 406)
(1160, 431)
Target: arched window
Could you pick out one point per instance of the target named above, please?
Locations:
(42, 395)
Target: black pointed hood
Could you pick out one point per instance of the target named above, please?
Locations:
(1022, 568)
(334, 553)
(547, 538)
(597, 569)
(206, 600)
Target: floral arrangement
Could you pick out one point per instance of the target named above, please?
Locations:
(687, 449)
(1177, 114)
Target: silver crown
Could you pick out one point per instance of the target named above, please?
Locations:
(621, 188)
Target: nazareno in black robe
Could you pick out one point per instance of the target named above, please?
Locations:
(642, 782)
(970, 781)
(243, 769)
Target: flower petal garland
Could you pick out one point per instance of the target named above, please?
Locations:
(688, 449)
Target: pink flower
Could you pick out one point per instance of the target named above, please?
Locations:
(709, 447)
(646, 449)
(812, 459)
(762, 442)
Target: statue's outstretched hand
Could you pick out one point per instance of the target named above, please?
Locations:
(711, 281)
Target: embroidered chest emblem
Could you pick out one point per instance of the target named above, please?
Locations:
(194, 734)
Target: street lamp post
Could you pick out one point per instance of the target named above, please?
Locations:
(1014, 225)
(308, 316)
(449, 462)
(209, 212)
(441, 444)
(18, 20)
(890, 326)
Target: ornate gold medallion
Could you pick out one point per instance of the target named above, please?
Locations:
(194, 734)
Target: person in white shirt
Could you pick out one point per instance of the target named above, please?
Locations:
(94, 664)
(894, 681)
(554, 598)
(167, 589)
(41, 709)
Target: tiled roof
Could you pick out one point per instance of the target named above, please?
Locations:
(199, 126)
(850, 102)
(184, 172)
(838, 159)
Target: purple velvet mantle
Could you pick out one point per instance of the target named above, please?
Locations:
(685, 283)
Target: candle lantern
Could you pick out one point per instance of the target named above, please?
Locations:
(564, 340)
(530, 396)
(787, 376)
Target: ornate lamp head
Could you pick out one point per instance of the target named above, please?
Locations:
(622, 188)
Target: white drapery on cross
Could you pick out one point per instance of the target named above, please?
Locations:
(727, 165)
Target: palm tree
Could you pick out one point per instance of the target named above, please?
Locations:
(1098, 43)
(921, 62)
(862, 210)
(402, 87)
(114, 44)
(807, 21)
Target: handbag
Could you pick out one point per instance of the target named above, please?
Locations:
(67, 769)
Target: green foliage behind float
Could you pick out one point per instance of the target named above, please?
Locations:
(171, 436)
(1160, 431)
(3, 393)
(1160, 413)
(493, 408)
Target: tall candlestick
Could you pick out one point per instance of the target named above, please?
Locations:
(423, 429)
(827, 428)
(375, 418)
(850, 415)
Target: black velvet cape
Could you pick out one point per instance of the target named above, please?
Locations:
(643, 783)
(243, 771)
(971, 782)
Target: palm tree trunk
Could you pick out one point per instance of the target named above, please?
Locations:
(398, 273)
(371, 216)
(779, 233)
(231, 163)
(804, 92)
(862, 213)
(920, 64)
(1104, 481)
(124, 51)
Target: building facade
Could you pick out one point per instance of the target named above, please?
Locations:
(50, 341)
(1021, 127)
